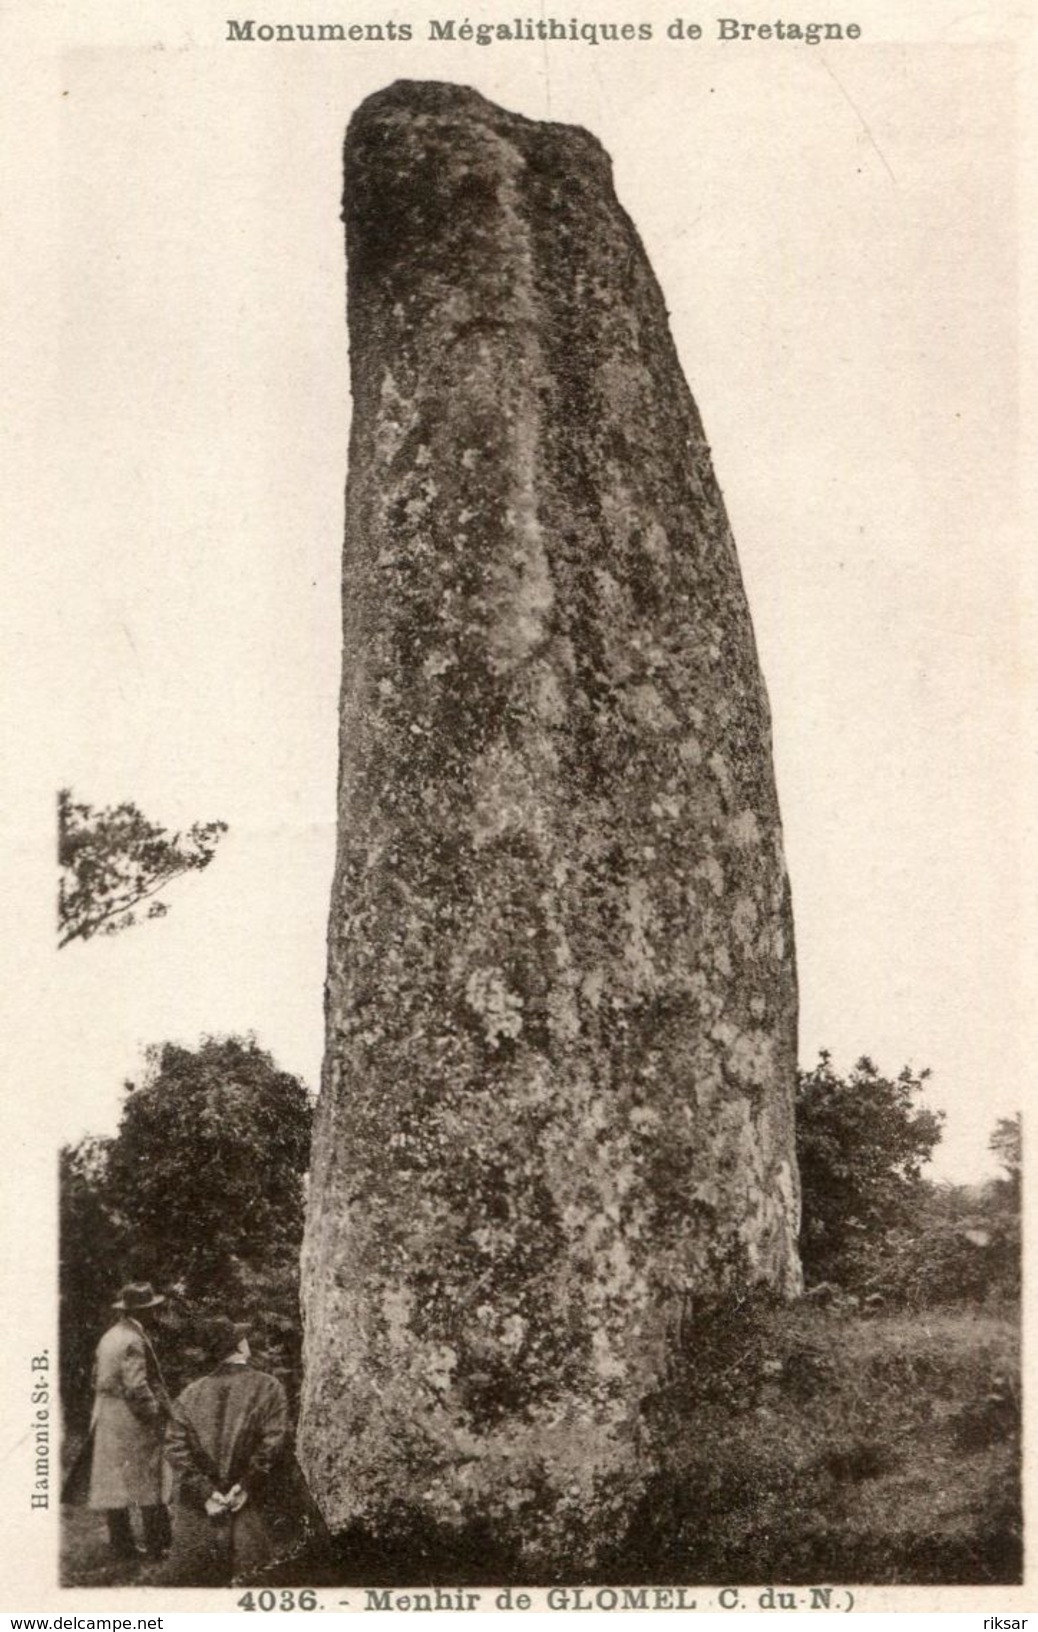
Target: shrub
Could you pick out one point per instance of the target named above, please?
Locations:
(200, 1192)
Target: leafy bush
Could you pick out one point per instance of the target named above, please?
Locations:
(862, 1142)
(200, 1192)
(940, 1262)
(872, 1225)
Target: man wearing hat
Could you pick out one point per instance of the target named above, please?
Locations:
(226, 1434)
(130, 1410)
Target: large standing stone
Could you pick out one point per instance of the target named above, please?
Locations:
(561, 999)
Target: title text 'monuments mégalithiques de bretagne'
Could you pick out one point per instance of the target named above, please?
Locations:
(520, 30)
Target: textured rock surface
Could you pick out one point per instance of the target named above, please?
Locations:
(561, 1000)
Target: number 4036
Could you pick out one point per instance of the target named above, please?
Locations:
(306, 1599)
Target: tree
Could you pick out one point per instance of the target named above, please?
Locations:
(1006, 1143)
(208, 1164)
(113, 860)
(92, 1246)
(201, 1192)
(1002, 1205)
(862, 1142)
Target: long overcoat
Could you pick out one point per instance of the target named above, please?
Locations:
(228, 1428)
(130, 1409)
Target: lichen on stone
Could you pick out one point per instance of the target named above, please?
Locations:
(561, 999)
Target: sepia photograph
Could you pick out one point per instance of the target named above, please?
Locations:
(528, 758)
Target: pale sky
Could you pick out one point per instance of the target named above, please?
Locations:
(835, 232)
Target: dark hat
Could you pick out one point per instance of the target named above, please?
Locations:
(138, 1295)
(220, 1337)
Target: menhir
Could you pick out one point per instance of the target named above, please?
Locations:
(557, 1105)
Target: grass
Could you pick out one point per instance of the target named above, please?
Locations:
(811, 1446)
(86, 1560)
(804, 1445)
